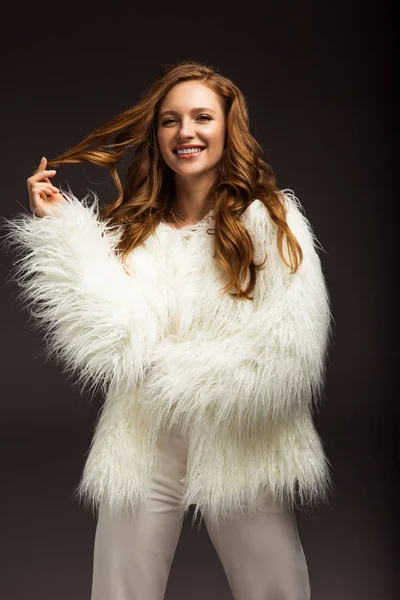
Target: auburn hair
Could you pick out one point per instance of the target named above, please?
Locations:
(145, 198)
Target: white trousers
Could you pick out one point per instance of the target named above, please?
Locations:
(261, 553)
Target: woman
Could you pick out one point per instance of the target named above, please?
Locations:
(197, 305)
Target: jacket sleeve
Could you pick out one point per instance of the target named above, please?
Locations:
(71, 280)
(273, 365)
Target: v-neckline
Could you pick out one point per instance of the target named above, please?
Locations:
(190, 226)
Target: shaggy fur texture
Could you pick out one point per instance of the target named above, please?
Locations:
(240, 379)
(78, 295)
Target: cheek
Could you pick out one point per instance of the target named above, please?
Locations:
(217, 139)
(216, 144)
(162, 137)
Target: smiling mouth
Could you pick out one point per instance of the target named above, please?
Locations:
(198, 149)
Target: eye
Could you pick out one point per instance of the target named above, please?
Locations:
(206, 117)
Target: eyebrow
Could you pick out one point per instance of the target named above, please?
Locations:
(192, 110)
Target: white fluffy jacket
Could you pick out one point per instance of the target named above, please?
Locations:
(240, 379)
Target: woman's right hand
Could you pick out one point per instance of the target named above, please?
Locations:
(43, 195)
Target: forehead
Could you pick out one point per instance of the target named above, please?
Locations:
(187, 94)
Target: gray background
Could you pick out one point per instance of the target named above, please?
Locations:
(319, 81)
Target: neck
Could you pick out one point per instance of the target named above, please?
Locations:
(191, 196)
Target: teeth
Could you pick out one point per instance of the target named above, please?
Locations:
(188, 150)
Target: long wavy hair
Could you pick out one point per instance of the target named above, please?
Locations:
(149, 188)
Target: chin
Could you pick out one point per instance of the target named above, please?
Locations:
(191, 172)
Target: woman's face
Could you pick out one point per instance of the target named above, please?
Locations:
(191, 115)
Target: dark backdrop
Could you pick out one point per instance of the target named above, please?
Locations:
(319, 81)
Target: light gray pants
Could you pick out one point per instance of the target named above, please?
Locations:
(261, 553)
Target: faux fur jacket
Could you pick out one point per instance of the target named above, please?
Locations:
(240, 379)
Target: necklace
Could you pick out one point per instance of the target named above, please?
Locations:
(174, 213)
(174, 217)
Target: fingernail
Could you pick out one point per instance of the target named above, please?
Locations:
(52, 171)
(42, 159)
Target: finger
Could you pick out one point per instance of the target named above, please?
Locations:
(49, 191)
(42, 164)
(47, 180)
(39, 175)
(41, 187)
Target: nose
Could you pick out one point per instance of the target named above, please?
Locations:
(186, 129)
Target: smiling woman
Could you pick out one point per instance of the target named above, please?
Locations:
(196, 103)
(191, 143)
(210, 353)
